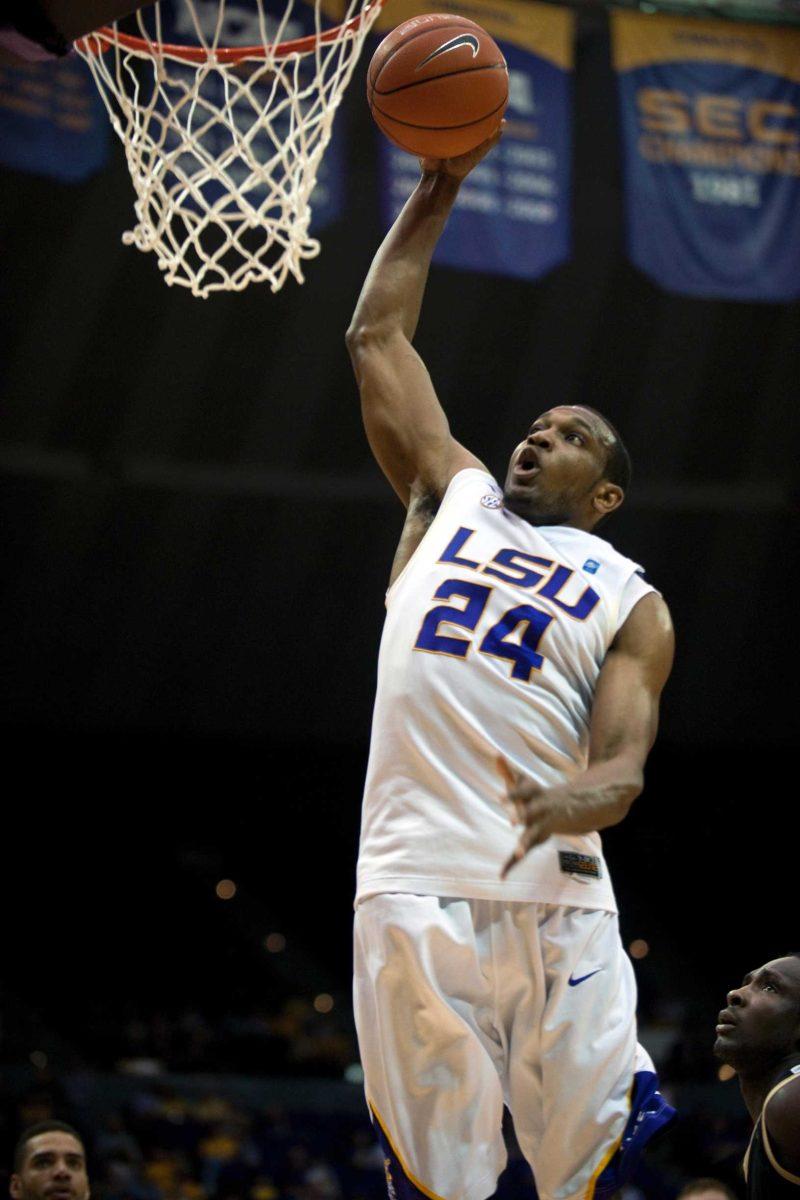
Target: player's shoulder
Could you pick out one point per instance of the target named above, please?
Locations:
(605, 567)
(605, 550)
(650, 614)
(647, 635)
(473, 480)
(782, 1112)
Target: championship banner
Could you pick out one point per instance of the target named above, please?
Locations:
(512, 213)
(710, 115)
(52, 120)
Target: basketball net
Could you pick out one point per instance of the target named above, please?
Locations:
(224, 143)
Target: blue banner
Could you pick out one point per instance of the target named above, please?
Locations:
(512, 214)
(710, 115)
(52, 120)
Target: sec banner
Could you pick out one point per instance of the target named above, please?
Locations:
(710, 116)
(52, 121)
(512, 213)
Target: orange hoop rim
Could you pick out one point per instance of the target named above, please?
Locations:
(106, 36)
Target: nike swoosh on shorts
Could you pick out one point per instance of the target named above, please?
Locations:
(574, 982)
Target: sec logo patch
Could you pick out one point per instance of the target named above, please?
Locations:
(491, 501)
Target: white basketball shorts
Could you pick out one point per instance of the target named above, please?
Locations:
(462, 1005)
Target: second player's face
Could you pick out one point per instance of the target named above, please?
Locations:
(54, 1168)
(554, 471)
(761, 1023)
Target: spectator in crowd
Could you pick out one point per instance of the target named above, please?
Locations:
(50, 1164)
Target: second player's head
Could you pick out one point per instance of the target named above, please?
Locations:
(571, 469)
(49, 1164)
(760, 1027)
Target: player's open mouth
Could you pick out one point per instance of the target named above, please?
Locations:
(526, 465)
(725, 1022)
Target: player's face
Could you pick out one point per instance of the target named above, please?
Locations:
(54, 1168)
(761, 1023)
(554, 473)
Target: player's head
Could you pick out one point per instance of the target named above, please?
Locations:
(706, 1189)
(760, 1027)
(571, 469)
(49, 1164)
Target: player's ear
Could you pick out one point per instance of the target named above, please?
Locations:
(607, 498)
(15, 1187)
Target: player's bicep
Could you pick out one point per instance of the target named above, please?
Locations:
(633, 675)
(406, 426)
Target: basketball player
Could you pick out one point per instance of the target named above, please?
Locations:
(520, 671)
(49, 1164)
(758, 1034)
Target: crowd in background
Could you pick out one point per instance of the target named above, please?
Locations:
(165, 1140)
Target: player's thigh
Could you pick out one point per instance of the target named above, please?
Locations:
(577, 1063)
(423, 1006)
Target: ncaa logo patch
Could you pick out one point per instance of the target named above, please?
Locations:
(491, 501)
(592, 566)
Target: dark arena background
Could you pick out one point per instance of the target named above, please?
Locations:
(196, 544)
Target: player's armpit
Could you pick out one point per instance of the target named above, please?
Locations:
(782, 1119)
(625, 710)
(405, 424)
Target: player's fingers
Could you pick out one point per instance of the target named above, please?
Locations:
(511, 809)
(510, 800)
(512, 862)
(526, 790)
(520, 788)
(533, 809)
(509, 777)
(532, 836)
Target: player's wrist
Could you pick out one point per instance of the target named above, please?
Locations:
(597, 806)
(440, 182)
(439, 189)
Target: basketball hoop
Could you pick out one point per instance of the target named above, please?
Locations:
(223, 142)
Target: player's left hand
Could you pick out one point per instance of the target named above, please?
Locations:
(536, 808)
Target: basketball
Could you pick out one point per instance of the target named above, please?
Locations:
(438, 86)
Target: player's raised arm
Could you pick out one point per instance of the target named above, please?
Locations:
(404, 421)
(624, 723)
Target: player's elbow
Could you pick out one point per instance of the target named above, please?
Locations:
(355, 338)
(363, 345)
(369, 330)
(623, 781)
(374, 350)
(365, 337)
(631, 785)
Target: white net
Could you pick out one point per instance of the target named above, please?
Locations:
(224, 155)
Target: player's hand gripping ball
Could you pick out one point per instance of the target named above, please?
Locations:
(438, 86)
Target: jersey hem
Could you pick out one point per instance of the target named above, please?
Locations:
(568, 896)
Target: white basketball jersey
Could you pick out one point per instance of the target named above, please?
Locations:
(495, 634)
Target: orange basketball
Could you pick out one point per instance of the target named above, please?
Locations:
(438, 85)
